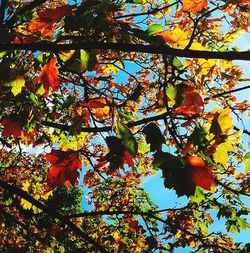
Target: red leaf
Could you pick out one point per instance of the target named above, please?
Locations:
(190, 106)
(11, 128)
(49, 75)
(201, 173)
(128, 159)
(64, 168)
(95, 103)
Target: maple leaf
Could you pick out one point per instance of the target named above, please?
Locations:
(64, 168)
(49, 75)
(16, 85)
(201, 173)
(46, 20)
(194, 5)
(191, 105)
(11, 128)
(221, 154)
(176, 36)
(222, 122)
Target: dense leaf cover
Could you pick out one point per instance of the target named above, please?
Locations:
(122, 90)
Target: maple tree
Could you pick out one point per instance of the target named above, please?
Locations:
(117, 91)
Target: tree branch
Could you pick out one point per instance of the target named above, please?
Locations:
(86, 214)
(237, 192)
(2, 11)
(65, 220)
(227, 92)
(107, 128)
(127, 47)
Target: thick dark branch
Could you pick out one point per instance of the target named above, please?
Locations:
(10, 22)
(126, 47)
(65, 220)
(2, 11)
(86, 214)
(104, 129)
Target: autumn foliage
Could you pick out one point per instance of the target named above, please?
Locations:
(107, 107)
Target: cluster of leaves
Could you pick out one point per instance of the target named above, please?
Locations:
(84, 85)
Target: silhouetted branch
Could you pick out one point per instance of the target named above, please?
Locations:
(2, 11)
(235, 191)
(126, 47)
(227, 92)
(152, 11)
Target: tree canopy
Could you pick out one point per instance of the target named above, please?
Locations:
(118, 91)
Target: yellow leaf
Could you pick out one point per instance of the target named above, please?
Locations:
(221, 154)
(26, 204)
(194, 5)
(26, 186)
(225, 121)
(16, 85)
(177, 37)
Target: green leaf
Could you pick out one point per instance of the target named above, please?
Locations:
(247, 165)
(79, 61)
(125, 115)
(247, 155)
(177, 63)
(198, 195)
(16, 85)
(171, 92)
(155, 28)
(221, 154)
(33, 98)
(154, 136)
(127, 138)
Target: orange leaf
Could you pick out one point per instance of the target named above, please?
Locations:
(190, 106)
(201, 173)
(195, 161)
(11, 128)
(128, 158)
(203, 177)
(49, 75)
(46, 20)
(194, 5)
(64, 168)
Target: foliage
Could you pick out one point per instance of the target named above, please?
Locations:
(118, 91)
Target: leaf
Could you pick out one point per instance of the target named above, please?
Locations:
(49, 76)
(176, 36)
(198, 195)
(225, 121)
(153, 136)
(127, 138)
(11, 128)
(125, 115)
(44, 24)
(16, 85)
(64, 167)
(177, 63)
(79, 61)
(194, 5)
(247, 155)
(155, 28)
(171, 92)
(221, 154)
(201, 173)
